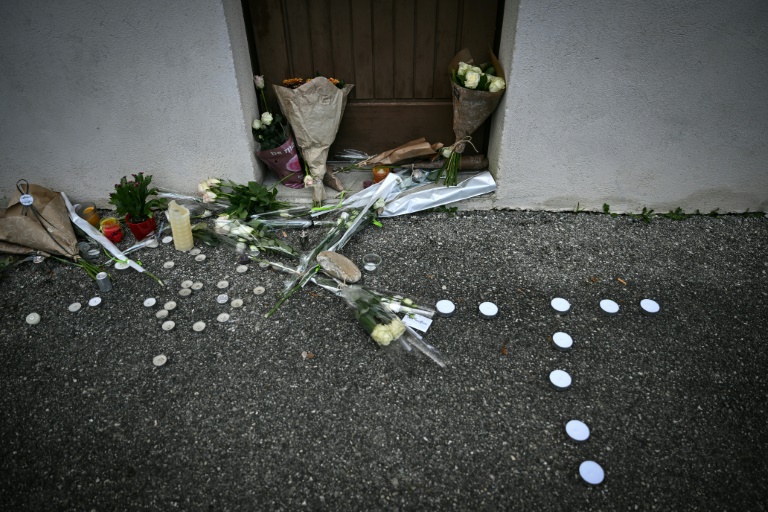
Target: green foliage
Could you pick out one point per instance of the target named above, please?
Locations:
(247, 200)
(202, 233)
(749, 214)
(132, 198)
(676, 214)
(271, 135)
(607, 210)
(450, 210)
(645, 216)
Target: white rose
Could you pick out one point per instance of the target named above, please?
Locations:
(471, 80)
(446, 152)
(393, 307)
(241, 230)
(212, 182)
(308, 181)
(209, 197)
(476, 69)
(256, 124)
(497, 84)
(397, 328)
(382, 335)
(266, 118)
(463, 68)
(222, 225)
(202, 187)
(259, 81)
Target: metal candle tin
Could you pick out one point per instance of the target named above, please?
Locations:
(102, 279)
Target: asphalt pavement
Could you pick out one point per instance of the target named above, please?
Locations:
(302, 411)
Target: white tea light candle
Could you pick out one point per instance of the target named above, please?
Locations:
(560, 380)
(560, 305)
(577, 430)
(488, 310)
(650, 307)
(608, 306)
(446, 308)
(591, 472)
(562, 341)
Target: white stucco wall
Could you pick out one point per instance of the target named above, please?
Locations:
(91, 90)
(655, 103)
(634, 103)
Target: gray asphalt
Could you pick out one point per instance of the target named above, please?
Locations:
(239, 419)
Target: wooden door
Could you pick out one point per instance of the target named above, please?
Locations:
(395, 52)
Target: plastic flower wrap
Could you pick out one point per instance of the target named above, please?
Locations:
(476, 92)
(256, 239)
(346, 223)
(377, 314)
(314, 109)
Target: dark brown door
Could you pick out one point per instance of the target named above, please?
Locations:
(395, 52)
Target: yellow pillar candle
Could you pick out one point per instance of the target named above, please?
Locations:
(180, 227)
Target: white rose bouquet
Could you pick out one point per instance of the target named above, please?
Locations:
(377, 314)
(477, 91)
(477, 78)
(250, 240)
(274, 143)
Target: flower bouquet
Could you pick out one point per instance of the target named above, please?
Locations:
(314, 108)
(131, 200)
(239, 201)
(250, 238)
(275, 145)
(377, 314)
(477, 91)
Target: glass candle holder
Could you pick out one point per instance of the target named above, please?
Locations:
(371, 263)
(111, 229)
(379, 173)
(88, 212)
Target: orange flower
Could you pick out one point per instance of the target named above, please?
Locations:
(293, 83)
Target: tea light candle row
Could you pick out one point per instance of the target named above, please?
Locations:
(562, 307)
